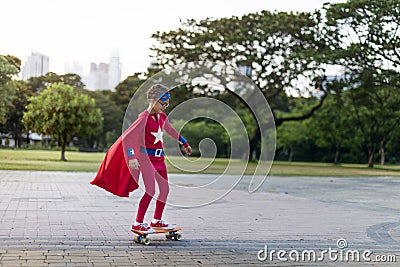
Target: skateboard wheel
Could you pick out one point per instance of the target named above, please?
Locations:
(168, 236)
(146, 241)
(178, 237)
(136, 239)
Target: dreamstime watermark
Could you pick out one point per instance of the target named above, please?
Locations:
(338, 254)
(243, 102)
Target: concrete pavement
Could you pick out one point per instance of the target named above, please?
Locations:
(59, 219)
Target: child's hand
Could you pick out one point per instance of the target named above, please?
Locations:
(188, 150)
(134, 164)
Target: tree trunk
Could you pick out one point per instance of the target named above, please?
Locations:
(371, 152)
(27, 138)
(382, 154)
(253, 144)
(63, 152)
(336, 159)
(15, 137)
(16, 143)
(63, 143)
(291, 153)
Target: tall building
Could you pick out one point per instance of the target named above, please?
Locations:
(114, 71)
(98, 78)
(104, 76)
(36, 65)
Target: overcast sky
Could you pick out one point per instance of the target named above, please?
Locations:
(90, 31)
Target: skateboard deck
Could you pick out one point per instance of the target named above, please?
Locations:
(141, 237)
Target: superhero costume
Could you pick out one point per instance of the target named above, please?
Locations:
(142, 140)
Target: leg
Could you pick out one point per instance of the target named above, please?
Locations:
(148, 175)
(162, 181)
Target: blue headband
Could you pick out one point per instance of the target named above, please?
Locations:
(165, 97)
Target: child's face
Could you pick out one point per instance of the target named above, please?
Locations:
(159, 105)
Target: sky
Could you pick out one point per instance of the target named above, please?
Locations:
(87, 31)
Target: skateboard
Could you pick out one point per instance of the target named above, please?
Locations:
(142, 238)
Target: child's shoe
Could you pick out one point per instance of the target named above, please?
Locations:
(142, 227)
(161, 224)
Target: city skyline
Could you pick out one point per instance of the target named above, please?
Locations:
(79, 31)
(101, 76)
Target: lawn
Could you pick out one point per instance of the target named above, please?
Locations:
(44, 160)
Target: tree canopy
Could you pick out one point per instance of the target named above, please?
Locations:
(277, 48)
(61, 112)
(9, 67)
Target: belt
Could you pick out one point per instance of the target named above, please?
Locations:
(152, 151)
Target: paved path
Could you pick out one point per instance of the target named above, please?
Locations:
(59, 219)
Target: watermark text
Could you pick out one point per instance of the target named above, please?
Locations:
(340, 253)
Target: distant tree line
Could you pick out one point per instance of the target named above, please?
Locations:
(353, 117)
(287, 55)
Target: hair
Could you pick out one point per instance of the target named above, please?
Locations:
(155, 91)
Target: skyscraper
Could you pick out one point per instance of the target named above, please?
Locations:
(104, 76)
(98, 78)
(114, 71)
(36, 65)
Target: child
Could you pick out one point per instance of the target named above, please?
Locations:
(144, 148)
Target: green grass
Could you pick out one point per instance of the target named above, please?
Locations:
(329, 169)
(44, 160)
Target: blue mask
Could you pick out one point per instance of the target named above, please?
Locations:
(165, 97)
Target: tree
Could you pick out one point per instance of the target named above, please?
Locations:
(365, 35)
(375, 110)
(332, 127)
(112, 116)
(280, 49)
(17, 108)
(293, 133)
(200, 129)
(38, 84)
(60, 112)
(393, 148)
(277, 47)
(289, 135)
(9, 66)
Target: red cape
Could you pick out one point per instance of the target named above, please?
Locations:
(114, 175)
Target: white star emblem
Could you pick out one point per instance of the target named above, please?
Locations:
(158, 135)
